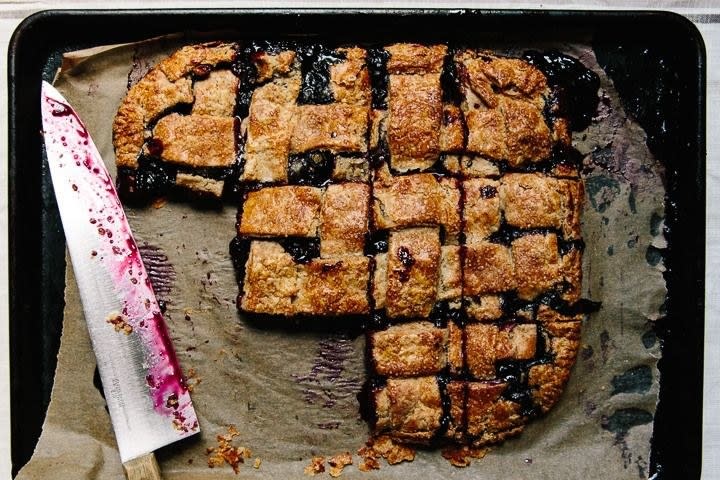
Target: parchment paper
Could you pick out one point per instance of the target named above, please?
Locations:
(291, 394)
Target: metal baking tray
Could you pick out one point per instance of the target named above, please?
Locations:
(656, 59)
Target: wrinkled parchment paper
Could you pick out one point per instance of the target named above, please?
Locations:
(292, 394)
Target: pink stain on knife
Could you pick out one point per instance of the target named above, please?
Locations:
(119, 253)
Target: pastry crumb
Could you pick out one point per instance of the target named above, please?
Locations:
(257, 463)
(383, 446)
(225, 452)
(459, 456)
(317, 465)
(119, 323)
(391, 451)
(369, 459)
(338, 463)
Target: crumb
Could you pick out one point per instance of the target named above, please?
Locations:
(460, 456)
(119, 323)
(159, 202)
(192, 379)
(172, 401)
(257, 463)
(338, 463)
(391, 451)
(317, 465)
(225, 452)
(369, 459)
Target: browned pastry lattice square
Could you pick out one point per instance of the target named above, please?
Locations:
(428, 192)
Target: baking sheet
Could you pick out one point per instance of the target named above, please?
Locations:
(611, 196)
(277, 386)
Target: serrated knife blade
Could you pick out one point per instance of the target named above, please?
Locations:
(148, 401)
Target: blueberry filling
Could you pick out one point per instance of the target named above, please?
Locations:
(377, 63)
(443, 312)
(315, 62)
(575, 87)
(376, 242)
(301, 249)
(311, 168)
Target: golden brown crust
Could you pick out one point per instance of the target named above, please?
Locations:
(450, 278)
(414, 121)
(350, 79)
(564, 342)
(190, 57)
(504, 98)
(275, 284)
(281, 212)
(485, 344)
(409, 349)
(482, 209)
(486, 133)
(270, 65)
(215, 95)
(409, 409)
(571, 264)
(455, 348)
(488, 268)
(269, 129)
(379, 286)
(336, 127)
(546, 314)
(351, 169)
(200, 185)
(452, 131)
(335, 286)
(413, 58)
(537, 264)
(490, 418)
(511, 76)
(151, 96)
(456, 394)
(413, 261)
(344, 219)
(476, 166)
(573, 197)
(547, 382)
(414, 200)
(272, 280)
(528, 136)
(484, 308)
(531, 200)
(196, 141)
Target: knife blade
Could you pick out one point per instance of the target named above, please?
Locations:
(148, 401)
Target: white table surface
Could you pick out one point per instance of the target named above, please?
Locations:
(705, 14)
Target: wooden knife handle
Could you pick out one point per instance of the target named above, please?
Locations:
(142, 468)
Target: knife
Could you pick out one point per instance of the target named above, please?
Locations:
(148, 401)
